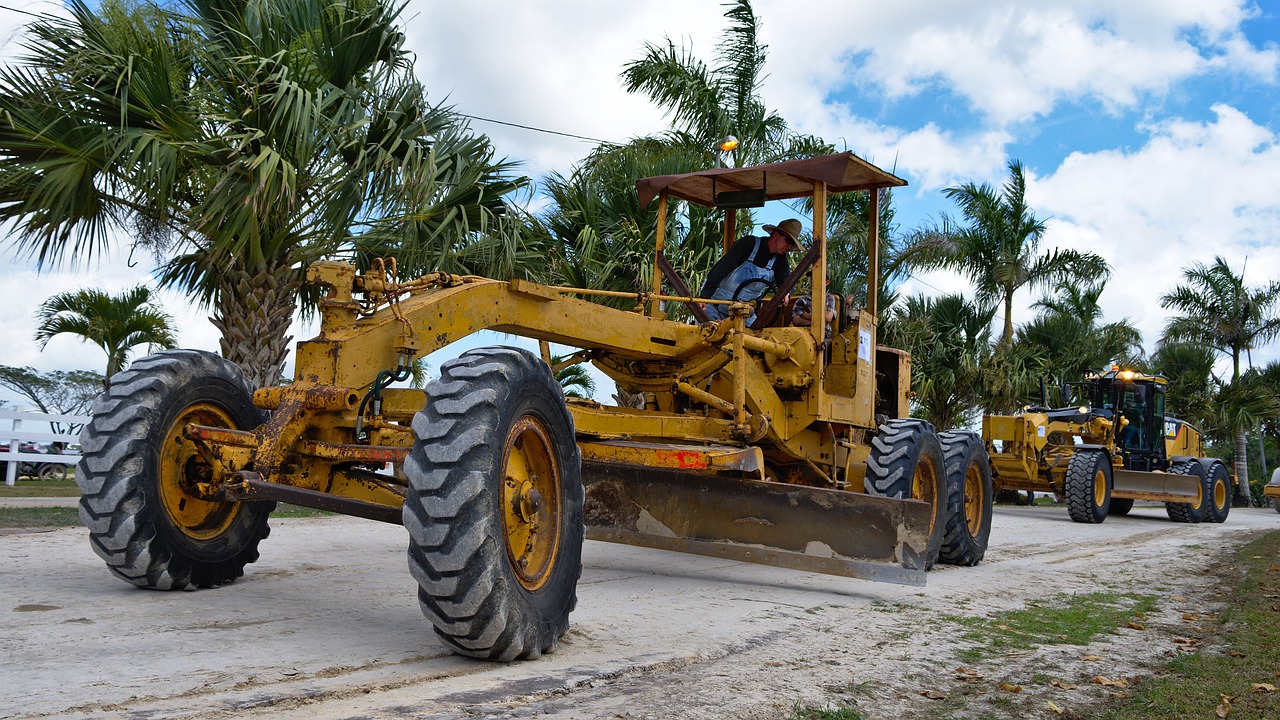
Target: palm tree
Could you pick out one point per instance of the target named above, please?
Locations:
(115, 323)
(575, 379)
(949, 341)
(241, 140)
(708, 103)
(998, 247)
(1216, 308)
(1071, 340)
(600, 236)
(847, 256)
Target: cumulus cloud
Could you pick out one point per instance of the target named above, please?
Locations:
(1194, 191)
(1014, 61)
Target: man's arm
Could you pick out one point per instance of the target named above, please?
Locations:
(737, 255)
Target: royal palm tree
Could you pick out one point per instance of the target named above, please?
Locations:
(997, 246)
(707, 103)
(115, 323)
(240, 140)
(1216, 309)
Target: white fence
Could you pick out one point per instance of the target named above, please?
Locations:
(20, 433)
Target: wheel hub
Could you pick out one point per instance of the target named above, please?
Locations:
(531, 502)
(185, 476)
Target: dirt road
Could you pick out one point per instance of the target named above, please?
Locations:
(326, 625)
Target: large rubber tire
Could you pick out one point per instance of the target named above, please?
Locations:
(969, 498)
(495, 430)
(1120, 506)
(906, 462)
(136, 468)
(1088, 486)
(1219, 493)
(1192, 512)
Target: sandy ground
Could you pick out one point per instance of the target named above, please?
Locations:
(326, 625)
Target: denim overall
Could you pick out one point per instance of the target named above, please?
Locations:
(744, 272)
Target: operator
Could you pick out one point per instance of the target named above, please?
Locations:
(749, 265)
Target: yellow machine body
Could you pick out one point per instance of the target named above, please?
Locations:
(752, 442)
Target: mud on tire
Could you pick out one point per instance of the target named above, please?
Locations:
(494, 508)
(1088, 486)
(136, 467)
(906, 462)
(969, 498)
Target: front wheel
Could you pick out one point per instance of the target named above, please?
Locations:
(969, 498)
(1192, 512)
(138, 474)
(1088, 486)
(1220, 493)
(494, 508)
(906, 462)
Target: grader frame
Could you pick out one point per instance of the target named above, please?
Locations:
(753, 443)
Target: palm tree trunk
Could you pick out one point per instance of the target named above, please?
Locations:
(1006, 337)
(1242, 469)
(253, 312)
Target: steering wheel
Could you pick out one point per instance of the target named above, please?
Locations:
(769, 289)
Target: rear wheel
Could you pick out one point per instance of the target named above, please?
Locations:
(1191, 512)
(494, 509)
(1120, 506)
(1088, 486)
(969, 497)
(138, 475)
(53, 471)
(906, 462)
(1219, 493)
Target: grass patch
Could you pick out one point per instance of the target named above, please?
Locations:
(28, 487)
(37, 517)
(823, 713)
(1064, 620)
(1247, 652)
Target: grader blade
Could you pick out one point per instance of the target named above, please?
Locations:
(804, 528)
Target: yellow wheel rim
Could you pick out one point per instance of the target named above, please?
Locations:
(1219, 493)
(182, 467)
(973, 500)
(1099, 487)
(531, 502)
(1199, 503)
(924, 486)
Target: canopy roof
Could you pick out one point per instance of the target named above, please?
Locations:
(842, 172)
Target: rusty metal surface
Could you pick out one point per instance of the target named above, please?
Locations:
(251, 487)
(692, 458)
(789, 518)
(859, 569)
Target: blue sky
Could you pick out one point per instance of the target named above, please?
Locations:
(1150, 129)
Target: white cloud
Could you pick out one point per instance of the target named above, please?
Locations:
(1014, 61)
(1194, 191)
(551, 65)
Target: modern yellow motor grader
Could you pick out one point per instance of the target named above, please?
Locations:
(1116, 447)
(758, 442)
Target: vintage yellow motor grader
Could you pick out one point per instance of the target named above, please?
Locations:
(1116, 447)
(758, 442)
